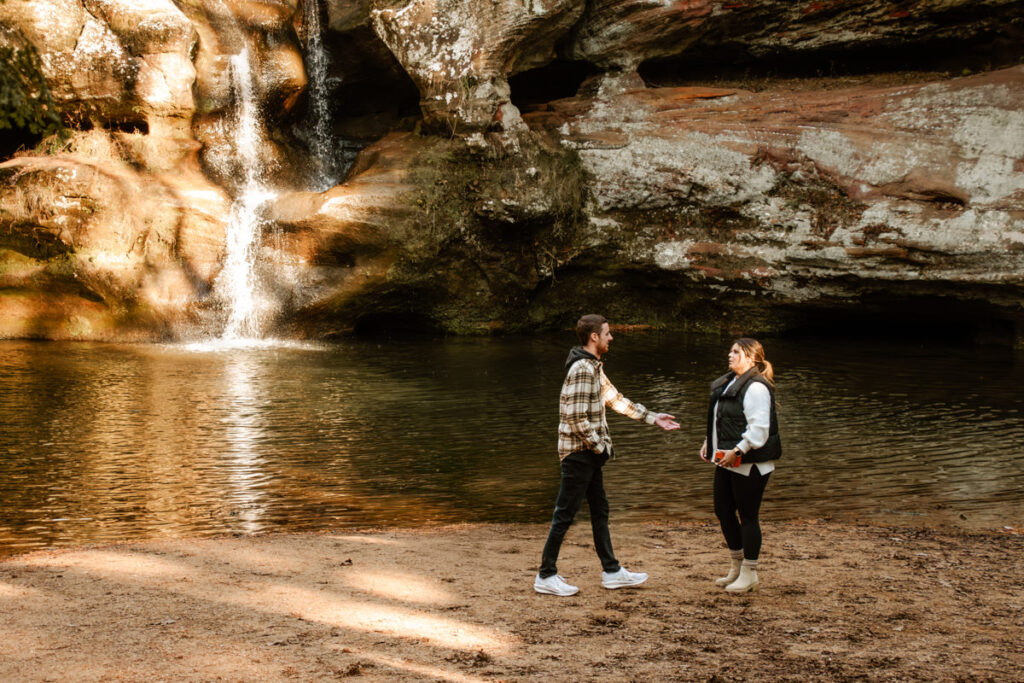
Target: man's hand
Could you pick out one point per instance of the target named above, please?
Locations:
(666, 422)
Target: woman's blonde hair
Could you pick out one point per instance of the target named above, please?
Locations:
(753, 350)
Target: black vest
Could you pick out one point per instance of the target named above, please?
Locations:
(731, 420)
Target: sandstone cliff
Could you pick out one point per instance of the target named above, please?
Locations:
(691, 165)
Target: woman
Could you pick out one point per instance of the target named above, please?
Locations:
(742, 424)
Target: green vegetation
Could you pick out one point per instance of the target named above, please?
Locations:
(26, 103)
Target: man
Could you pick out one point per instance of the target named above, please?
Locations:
(584, 446)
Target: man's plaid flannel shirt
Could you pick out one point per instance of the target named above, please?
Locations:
(582, 425)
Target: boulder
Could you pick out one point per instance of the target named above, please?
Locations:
(426, 229)
(460, 55)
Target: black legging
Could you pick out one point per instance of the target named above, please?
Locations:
(736, 493)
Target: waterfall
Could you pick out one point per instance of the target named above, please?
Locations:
(248, 296)
(317, 62)
(238, 284)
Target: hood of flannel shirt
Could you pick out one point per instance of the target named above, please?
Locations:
(576, 353)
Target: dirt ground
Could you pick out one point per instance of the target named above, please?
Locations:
(838, 602)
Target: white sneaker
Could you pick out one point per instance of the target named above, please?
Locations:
(622, 579)
(554, 585)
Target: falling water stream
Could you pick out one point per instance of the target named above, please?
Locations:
(246, 295)
(238, 285)
(317, 62)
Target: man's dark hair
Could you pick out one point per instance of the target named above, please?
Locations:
(588, 324)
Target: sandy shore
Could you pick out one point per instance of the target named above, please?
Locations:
(456, 604)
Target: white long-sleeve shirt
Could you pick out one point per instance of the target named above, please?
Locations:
(757, 408)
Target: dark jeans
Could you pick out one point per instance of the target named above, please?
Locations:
(581, 477)
(736, 493)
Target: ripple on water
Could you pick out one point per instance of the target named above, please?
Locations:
(108, 442)
(246, 344)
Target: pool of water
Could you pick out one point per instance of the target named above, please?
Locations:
(102, 443)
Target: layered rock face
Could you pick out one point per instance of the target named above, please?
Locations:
(731, 167)
(714, 208)
(121, 233)
(114, 237)
(820, 199)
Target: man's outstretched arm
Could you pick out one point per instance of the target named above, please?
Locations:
(614, 399)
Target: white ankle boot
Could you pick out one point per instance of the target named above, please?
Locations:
(734, 572)
(747, 580)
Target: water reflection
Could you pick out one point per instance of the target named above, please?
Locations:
(246, 470)
(103, 443)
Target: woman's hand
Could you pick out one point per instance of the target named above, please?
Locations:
(704, 450)
(730, 458)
